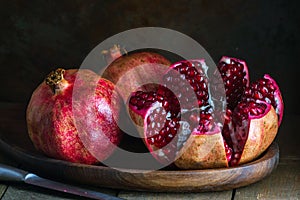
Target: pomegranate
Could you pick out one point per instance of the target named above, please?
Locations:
(256, 111)
(72, 116)
(130, 71)
(179, 120)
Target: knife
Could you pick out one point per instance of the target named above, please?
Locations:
(8, 173)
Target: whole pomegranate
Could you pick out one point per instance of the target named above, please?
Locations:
(73, 115)
(180, 120)
(130, 71)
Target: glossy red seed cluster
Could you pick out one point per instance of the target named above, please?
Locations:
(184, 85)
(228, 151)
(235, 80)
(246, 110)
(163, 121)
(143, 99)
(161, 129)
(227, 127)
(206, 121)
(263, 89)
(243, 113)
(189, 82)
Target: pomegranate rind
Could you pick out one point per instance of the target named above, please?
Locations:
(138, 119)
(130, 71)
(96, 106)
(262, 132)
(205, 151)
(278, 98)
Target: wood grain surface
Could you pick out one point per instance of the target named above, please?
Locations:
(133, 195)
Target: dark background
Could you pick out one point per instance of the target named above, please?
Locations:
(38, 36)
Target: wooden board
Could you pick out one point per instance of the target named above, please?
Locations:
(15, 142)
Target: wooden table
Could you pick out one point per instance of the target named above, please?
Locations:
(283, 183)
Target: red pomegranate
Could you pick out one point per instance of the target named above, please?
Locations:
(180, 120)
(73, 115)
(131, 71)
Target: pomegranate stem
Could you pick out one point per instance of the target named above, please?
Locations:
(56, 81)
(113, 53)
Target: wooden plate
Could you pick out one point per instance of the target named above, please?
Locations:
(15, 142)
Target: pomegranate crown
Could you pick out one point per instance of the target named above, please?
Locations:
(55, 77)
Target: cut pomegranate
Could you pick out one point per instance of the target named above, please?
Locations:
(255, 127)
(266, 89)
(180, 120)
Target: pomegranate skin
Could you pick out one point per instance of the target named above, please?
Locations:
(261, 134)
(131, 71)
(121, 65)
(208, 150)
(205, 151)
(51, 119)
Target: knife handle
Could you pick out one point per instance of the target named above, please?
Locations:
(8, 173)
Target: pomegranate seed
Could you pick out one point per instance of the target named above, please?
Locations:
(133, 101)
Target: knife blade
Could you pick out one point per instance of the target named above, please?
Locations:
(9, 173)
